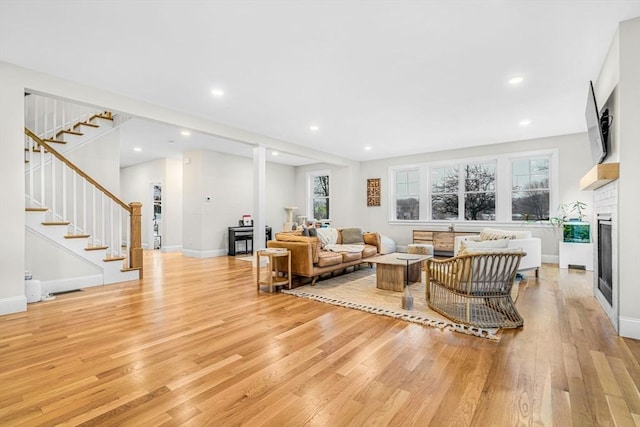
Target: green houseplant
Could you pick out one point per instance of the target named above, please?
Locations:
(571, 220)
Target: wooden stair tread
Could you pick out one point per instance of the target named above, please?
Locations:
(124, 270)
(114, 258)
(36, 209)
(93, 125)
(76, 236)
(56, 223)
(96, 248)
(55, 141)
(70, 132)
(101, 116)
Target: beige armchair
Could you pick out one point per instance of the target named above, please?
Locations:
(475, 289)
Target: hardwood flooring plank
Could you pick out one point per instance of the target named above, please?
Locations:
(193, 343)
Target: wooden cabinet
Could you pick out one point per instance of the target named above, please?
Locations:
(442, 241)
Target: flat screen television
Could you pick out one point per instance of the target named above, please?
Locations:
(598, 127)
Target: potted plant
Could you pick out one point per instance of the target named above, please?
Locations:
(571, 219)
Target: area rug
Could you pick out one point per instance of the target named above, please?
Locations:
(358, 291)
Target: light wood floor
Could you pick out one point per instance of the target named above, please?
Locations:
(195, 344)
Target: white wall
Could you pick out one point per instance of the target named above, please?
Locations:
(228, 181)
(136, 182)
(344, 193)
(574, 161)
(172, 208)
(100, 158)
(47, 261)
(12, 216)
(629, 195)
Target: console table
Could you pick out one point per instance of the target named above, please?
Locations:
(244, 234)
(442, 241)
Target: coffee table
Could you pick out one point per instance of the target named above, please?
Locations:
(392, 270)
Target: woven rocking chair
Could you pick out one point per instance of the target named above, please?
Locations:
(475, 289)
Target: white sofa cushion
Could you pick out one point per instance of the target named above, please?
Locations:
(468, 244)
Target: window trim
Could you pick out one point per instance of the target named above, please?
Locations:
(503, 163)
(310, 176)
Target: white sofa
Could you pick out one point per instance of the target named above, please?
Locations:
(532, 246)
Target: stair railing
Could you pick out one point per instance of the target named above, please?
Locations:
(48, 116)
(90, 209)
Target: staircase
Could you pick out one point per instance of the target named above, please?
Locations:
(69, 209)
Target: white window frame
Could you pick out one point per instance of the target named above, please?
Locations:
(310, 176)
(504, 175)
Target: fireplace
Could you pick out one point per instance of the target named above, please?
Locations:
(605, 258)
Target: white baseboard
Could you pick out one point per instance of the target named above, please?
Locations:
(629, 327)
(204, 254)
(550, 259)
(175, 248)
(70, 284)
(15, 304)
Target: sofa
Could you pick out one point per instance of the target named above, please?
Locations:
(313, 256)
(495, 238)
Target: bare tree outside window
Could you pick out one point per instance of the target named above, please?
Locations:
(480, 192)
(530, 189)
(444, 193)
(320, 197)
(407, 194)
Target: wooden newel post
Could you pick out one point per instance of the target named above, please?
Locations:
(135, 251)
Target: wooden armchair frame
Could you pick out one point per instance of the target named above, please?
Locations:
(475, 289)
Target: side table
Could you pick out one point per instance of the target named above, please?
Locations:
(273, 276)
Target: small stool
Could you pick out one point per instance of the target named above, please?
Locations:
(273, 277)
(422, 249)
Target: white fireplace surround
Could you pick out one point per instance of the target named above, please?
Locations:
(605, 201)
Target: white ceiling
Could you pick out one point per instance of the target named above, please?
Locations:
(401, 77)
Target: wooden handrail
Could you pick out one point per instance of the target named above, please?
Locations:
(76, 169)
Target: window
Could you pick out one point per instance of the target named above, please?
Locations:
(407, 194)
(501, 188)
(480, 191)
(530, 189)
(319, 200)
(444, 193)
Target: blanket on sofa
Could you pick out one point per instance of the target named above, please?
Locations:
(344, 248)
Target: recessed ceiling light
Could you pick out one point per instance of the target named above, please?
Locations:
(516, 80)
(367, 148)
(185, 133)
(218, 93)
(525, 122)
(314, 128)
(138, 149)
(274, 153)
(171, 141)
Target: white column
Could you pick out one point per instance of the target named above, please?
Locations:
(259, 207)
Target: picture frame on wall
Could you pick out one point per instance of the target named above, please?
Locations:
(373, 192)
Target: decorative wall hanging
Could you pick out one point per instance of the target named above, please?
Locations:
(373, 192)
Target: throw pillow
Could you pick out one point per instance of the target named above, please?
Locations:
(387, 245)
(495, 234)
(352, 236)
(485, 244)
(327, 236)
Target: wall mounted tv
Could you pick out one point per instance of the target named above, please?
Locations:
(598, 127)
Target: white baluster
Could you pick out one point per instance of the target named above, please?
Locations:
(102, 220)
(111, 239)
(127, 227)
(42, 190)
(53, 186)
(31, 195)
(74, 203)
(84, 205)
(94, 214)
(64, 190)
(56, 105)
(119, 230)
